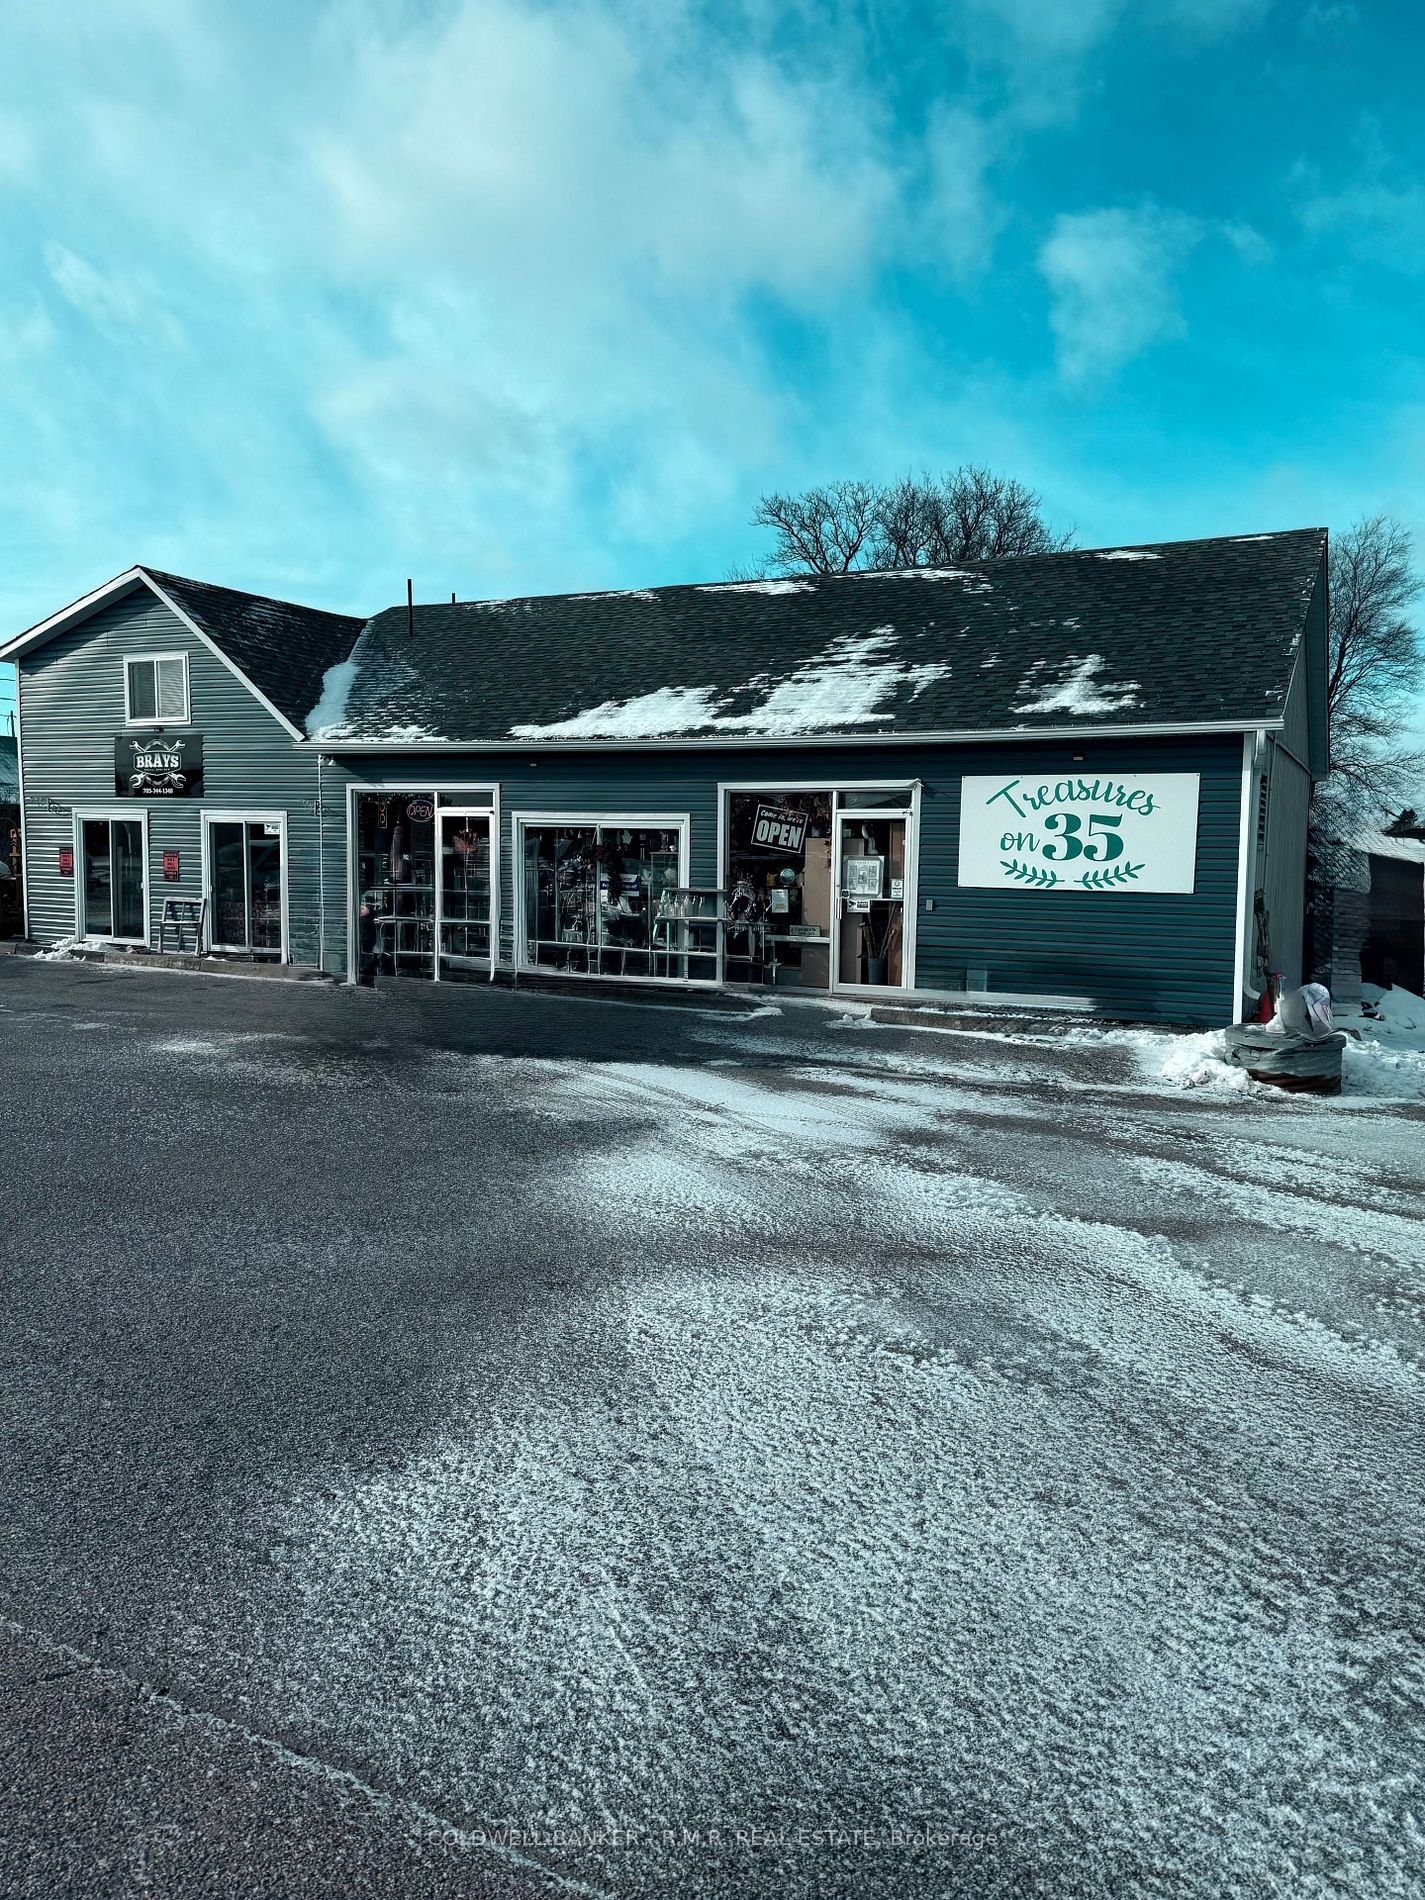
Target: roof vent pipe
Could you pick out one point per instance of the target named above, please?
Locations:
(410, 611)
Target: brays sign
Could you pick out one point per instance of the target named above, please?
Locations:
(157, 766)
(1090, 833)
(778, 830)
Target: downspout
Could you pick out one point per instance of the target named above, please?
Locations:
(24, 833)
(321, 873)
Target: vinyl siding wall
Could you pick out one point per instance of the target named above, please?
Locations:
(1145, 957)
(71, 711)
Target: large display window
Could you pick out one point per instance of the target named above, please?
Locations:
(608, 897)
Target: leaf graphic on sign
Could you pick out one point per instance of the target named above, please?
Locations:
(1106, 879)
(1030, 873)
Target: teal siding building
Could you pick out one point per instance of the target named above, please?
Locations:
(1076, 780)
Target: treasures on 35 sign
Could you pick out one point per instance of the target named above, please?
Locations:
(1136, 833)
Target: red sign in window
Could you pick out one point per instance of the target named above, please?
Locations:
(66, 860)
(170, 867)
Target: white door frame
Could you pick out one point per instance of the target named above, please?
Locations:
(134, 813)
(840, 818)
(491, 817)
(458, 790)
(218, 815)
(837, 788)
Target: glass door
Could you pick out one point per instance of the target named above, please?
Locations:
(113, 879)
(871, 887)
(245, 886)
(396, 884)
(465, 912)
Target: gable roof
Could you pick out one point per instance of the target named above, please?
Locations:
(280, 649)
(283, 649)
(1179, 635)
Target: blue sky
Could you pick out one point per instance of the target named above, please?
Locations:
(518, 296)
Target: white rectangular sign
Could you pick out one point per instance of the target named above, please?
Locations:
(1088, 832)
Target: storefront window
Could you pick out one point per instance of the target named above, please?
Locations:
(779, 881)
(604, 900)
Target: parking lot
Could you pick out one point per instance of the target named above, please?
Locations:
(475, 1442)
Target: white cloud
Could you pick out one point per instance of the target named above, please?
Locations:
(1376, 222)
(17, 148)
(1111, 277)
(1046, 48)
(103, 298)
(960, 219)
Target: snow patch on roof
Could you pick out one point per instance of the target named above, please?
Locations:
(1239, 539)
(1126, 554)
(844, 686)
(619, 593)
(656, 715)
(979, 585)
(758, 587)
(327, 719)
(1078, 692)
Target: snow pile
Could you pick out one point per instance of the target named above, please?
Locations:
(62, 947)
(844, 686)
(1078, 692)
(1199, 1062)
(327, 719)
(1385, 1047)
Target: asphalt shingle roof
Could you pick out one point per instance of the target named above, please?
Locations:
(1178, 633)
(283, 649)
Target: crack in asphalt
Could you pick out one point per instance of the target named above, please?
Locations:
(425, 1820)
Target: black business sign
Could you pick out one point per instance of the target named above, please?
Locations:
(158, 765)
(778, 830)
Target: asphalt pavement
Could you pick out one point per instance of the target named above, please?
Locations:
(468, 1442)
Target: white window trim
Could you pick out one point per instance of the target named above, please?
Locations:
(679, 821)
(134, 812)
(159, 719)
(487, 795)
(216, 815)
(911, 903)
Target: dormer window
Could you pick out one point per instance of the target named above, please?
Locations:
(156, 689)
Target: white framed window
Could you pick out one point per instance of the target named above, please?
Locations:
(156, 689)
(604, 895)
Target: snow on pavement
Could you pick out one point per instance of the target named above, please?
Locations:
(921, 1450)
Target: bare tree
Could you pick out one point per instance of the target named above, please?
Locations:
(1375, 666)
(822, 531)
(970, 514)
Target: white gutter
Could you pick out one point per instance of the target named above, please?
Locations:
(1207, 728)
